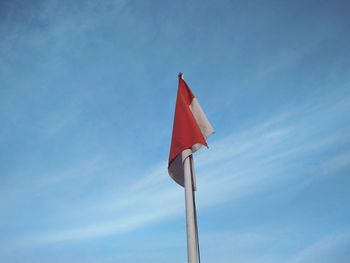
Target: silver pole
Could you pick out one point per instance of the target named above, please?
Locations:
(190, 223)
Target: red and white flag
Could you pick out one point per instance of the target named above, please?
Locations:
(190, 131)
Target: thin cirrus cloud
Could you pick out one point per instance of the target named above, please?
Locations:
(330, 248)
(75, 170)
(244, 163)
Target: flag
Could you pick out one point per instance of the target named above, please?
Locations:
(190, 130)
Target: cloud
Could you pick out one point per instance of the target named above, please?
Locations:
(331, 248)
(244, 163)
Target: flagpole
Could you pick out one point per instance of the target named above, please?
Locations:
(191, 129)
(190, 221)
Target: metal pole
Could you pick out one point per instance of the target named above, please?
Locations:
(190, 223)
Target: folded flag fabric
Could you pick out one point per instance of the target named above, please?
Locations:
(190, 130)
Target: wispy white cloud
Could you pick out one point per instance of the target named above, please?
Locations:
(124, 223)
(331, 248)
(338, 162)
(244, 163)
(237, 246)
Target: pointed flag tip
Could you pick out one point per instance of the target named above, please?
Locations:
(180, 75)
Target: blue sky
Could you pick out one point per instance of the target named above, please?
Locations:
(87, 94)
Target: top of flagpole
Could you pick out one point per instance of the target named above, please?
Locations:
(180, 75)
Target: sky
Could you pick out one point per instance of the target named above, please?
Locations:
(87, 96)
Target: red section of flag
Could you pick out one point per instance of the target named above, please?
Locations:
(186, 131)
